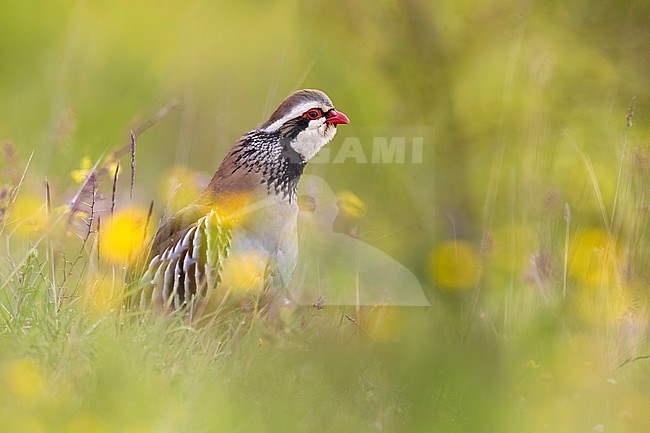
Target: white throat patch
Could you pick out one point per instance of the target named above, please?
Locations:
(309, 141)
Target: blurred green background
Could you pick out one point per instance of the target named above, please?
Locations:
(526, 221)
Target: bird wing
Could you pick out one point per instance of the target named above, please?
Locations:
(189, 262)
(174, 228)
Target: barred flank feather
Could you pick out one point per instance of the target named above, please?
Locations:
(189, 269)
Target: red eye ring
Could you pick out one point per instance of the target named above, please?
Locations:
(313, 114)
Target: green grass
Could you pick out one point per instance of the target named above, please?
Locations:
(65, 367)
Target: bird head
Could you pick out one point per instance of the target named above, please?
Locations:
(306, 120)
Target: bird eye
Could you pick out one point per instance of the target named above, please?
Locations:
(314, 113)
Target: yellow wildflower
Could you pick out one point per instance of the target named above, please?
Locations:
(350, 205)
(23, 378)
(455, 265)
(29, 213)
(593, 257)
(123, 237)
(243, 273)
(111, 166)
(80, 174)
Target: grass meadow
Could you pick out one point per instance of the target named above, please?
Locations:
(521, 205)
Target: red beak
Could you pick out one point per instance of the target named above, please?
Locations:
(336, 117)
